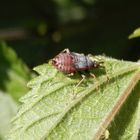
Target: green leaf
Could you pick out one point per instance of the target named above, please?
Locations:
(135, 34)
(56, 109)
(129, 116)
(13, 73)
(8, 108)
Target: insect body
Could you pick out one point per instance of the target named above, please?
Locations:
(64, 62)
(71, 62)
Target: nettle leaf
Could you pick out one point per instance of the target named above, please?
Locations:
(135, 34)
(13, 73)
(8, 108)
(55, 108)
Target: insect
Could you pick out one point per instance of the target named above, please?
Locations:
(71, 62)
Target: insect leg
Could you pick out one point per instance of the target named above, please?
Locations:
(66, 50)
(71, 74)
(74, 94)
(83, 77)
(93, 75)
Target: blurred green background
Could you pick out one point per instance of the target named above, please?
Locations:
(38, 30)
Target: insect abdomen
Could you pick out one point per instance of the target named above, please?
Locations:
(64, 63)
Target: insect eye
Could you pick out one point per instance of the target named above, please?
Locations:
(53, 61)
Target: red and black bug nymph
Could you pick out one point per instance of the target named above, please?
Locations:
(71, 62)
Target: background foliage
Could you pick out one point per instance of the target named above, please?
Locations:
(46, 27)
